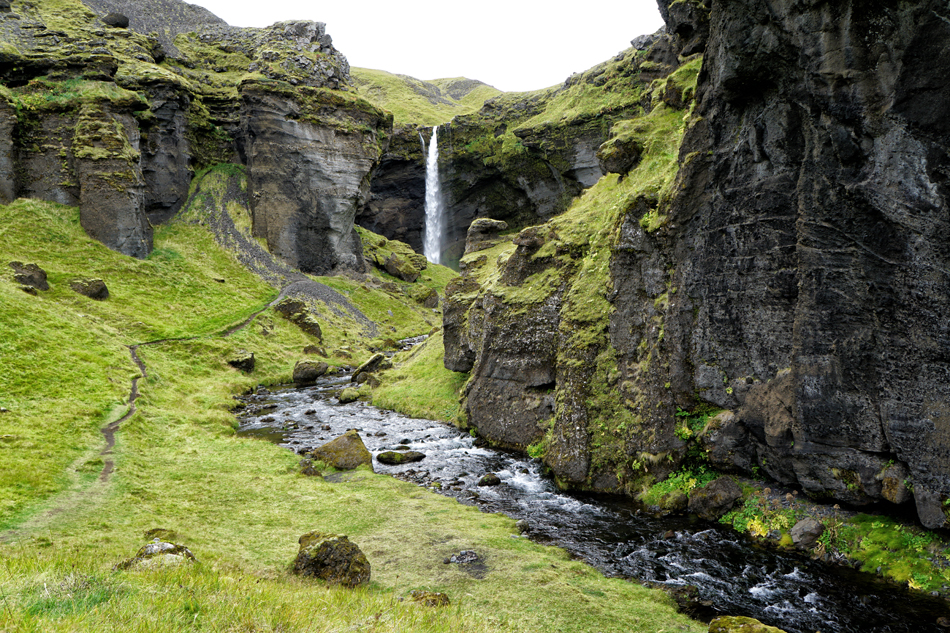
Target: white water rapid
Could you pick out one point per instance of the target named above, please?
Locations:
(432, 240)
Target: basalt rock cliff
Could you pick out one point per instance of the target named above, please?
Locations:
(117, 120)
(793, 272)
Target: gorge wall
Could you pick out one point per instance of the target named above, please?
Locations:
(96, 114)
(793, 274)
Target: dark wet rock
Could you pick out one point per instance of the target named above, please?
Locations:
(158, 554)
(483, 233)
(343, 453)
(348, 395)
(735, 624)
(397, 458)
(92, 288)
(714, 499)
(806, 533)
(306, 372)
(116, 20)
(489, 479)
(333, 558)
(243, 361)
(429, 598)
(29, 275)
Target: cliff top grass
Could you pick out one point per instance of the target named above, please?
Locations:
(425, 103)
(239, 504)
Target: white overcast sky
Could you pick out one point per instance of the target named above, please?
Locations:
(514, 45)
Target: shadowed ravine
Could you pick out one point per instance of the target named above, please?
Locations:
(732, 575)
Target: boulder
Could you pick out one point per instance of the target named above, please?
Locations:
(348, 395)
(333, 558)
(92, 288)
(733, 624)
(483, 233)
(489, 479)
(29, 275)
(806, 532)
(343, 453)
(401, 268)
(116, 20)
(243, 361)
(714, 499)
(397, 458)
(370, 366)
(158, 554)
(297, 312)
(673, 502)
(306, 372)
(618, 156)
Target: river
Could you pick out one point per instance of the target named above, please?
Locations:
(733, 575)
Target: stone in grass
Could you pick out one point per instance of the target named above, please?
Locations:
(29, 276)
(429, 598)
(307, 468)
(158, 554)
(333, 558)
(343, 453)
(92, 288)
(489, 479)
(396, 458)
(714, 499)
(734, 624)
(243, 360)
(349, 395)
(306, 372)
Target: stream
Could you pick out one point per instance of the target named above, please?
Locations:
(733, 575)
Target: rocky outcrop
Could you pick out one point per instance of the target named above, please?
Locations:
(309, 157)
(7, 152)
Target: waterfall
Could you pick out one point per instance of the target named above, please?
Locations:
(432, 237)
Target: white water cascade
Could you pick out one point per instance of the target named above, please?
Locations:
(432, 238)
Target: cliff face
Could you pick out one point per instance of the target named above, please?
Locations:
(118, 122)
(794, 274)
(810, 238)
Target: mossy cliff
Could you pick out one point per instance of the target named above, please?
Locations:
(783, 261)
(117, 120)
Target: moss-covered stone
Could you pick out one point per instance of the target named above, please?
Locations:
(738, 624)
(343, 453)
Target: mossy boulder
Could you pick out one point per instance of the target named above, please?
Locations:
(92, 288)
(372, 365)
(333, 558)
(297, 312)
(343, 453)
(158, 554)
(401, 268)
(674, 502)
(397, 458)
(348, 395)
(619, 155)
(306, 372)
(734, 624)
(29, 275)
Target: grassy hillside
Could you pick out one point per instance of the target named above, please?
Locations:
(238, 504)
(413, 101)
